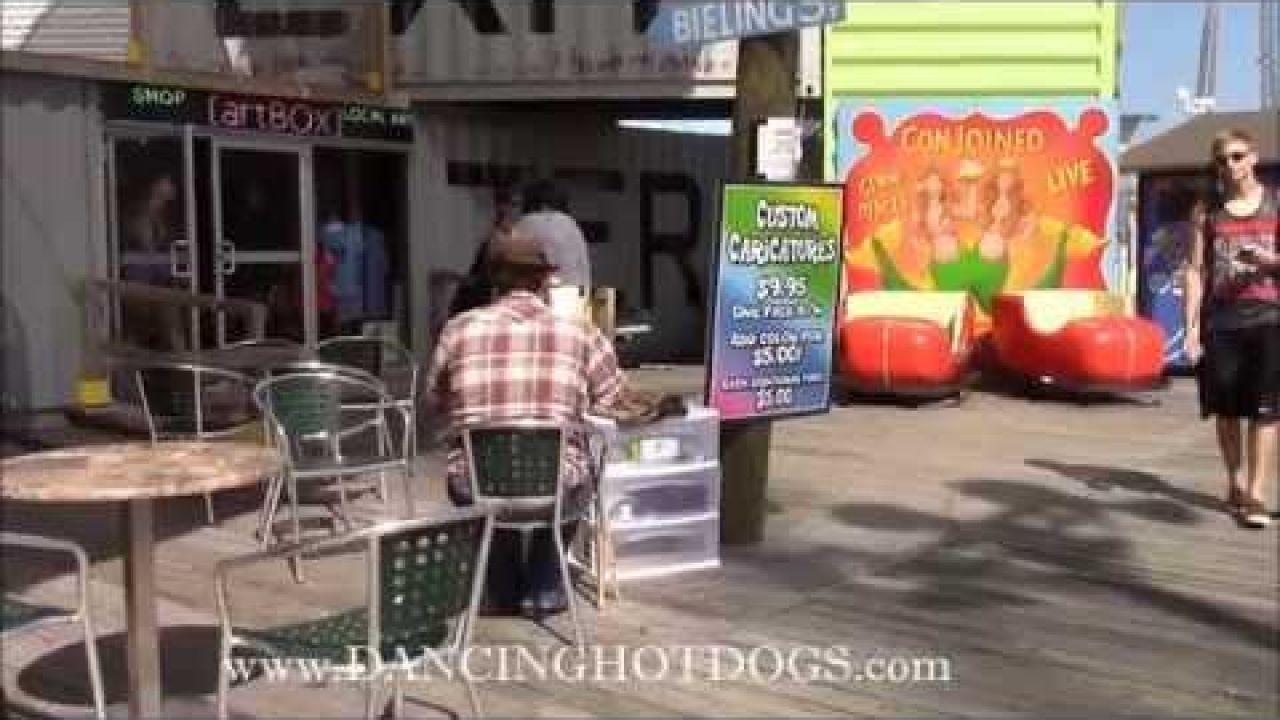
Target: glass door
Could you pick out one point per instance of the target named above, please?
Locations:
(262, 230)
(152, 229)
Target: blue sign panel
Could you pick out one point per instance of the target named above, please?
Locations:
(688, 22)
(776, 301)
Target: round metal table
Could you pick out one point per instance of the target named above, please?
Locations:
(136, 475)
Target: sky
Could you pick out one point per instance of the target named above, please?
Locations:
(1161, 53)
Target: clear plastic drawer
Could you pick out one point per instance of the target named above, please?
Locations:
(692, 438)
(668, 549)
(638, 495)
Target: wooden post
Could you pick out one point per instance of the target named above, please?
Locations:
(377, 38)
(139, 52)
(604, 310)
(766, 88)
(142, 645)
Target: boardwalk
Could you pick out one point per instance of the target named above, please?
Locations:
(1065, 561)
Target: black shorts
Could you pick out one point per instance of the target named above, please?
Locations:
(1239, 375)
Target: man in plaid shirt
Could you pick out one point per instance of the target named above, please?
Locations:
(514, 359)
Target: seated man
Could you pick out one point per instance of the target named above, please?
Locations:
(514, 359)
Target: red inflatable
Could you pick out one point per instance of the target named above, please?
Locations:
(1076, 339)
(905, 343)
(907, 356)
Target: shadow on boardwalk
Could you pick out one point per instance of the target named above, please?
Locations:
(1036, 538)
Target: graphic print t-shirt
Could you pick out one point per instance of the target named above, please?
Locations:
(1240, 295)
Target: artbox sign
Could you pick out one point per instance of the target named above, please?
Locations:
(984, 198)
(255, 113)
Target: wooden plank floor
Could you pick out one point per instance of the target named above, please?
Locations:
(1066, 561)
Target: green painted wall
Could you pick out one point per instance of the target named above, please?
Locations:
(962, 48)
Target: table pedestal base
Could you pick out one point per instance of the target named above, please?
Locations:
(143, 646)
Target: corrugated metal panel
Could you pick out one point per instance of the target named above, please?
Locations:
(635, 191)
(52, 231)
(315, 42)
(96, 29)
(969, 49)
(973, 48)
(509, 49)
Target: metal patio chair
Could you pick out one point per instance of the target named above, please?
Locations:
(360, 413)
(194, 402)
(19, 616)
(305, 412)
(389, 361)
(425, 578)
(515, 467)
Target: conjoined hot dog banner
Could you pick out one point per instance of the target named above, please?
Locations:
(985, 197)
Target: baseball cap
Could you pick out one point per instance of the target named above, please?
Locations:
(518, 249)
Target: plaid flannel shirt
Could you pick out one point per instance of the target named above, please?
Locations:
(514, 359)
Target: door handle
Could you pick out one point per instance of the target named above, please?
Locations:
(227, 257)
(178, 266)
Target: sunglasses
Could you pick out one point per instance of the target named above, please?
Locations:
(1235, 157)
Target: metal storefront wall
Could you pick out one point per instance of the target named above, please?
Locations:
(52, 231)
(96, 29)
(520, 49)
(974, 48)
(313, 42)
(606, 171)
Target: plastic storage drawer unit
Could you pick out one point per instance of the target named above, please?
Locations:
(639, 496)
(642, 552)
(692, 438)
(661, 494)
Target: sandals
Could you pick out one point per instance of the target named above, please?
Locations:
(1236, 500)
(1253, 514)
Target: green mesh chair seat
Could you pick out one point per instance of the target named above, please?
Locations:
(15, 613)
(358, 352)
(512, 462)
(516, 469)
(303, 405)
(329, 638)
(382, 358)
(310, 424)
(192, 401)
(427, 578)
(424, 579)
(392, 364)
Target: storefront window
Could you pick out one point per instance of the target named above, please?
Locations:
(149, 225)
(361, 245)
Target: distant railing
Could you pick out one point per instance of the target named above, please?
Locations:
(102, 297)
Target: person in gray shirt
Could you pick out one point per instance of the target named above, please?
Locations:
(547, 219)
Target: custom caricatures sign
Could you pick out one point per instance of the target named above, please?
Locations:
(777, 282)
(984, 198)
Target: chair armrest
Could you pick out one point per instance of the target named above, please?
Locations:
(44, 544)
(35, 542)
